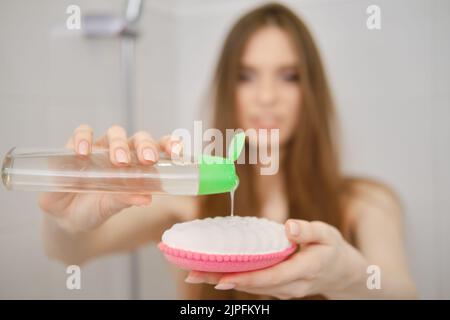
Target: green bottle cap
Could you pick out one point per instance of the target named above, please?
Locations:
(218, 174)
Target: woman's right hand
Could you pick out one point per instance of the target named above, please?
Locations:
(77, 212)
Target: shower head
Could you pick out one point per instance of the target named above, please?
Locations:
(104, 25)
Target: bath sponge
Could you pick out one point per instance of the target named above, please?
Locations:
(226, 244)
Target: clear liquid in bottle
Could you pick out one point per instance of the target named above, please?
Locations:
(61, 170)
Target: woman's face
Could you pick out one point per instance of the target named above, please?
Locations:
(268, 91)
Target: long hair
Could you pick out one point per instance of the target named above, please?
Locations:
(312, 177)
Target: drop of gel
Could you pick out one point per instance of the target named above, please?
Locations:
(232, 199)
(235, 149)
(232, 202)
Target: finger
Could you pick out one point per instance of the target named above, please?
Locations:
(203, 277)
(82, 139)
(304, 232)
(171, 145)
(112, 204)
(119, 151)
(55, 202)
(269, 291)
(147, 150)
(294, 289)
(298, 266)
(126, 200)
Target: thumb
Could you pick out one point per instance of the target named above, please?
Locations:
(305, 232)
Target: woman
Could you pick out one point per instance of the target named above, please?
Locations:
(269, 75)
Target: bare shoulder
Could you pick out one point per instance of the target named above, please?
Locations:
(369, 198)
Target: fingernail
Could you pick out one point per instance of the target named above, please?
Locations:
(294, 229)
(83, 147)
(149, 154)
(224, 286)
(121, 156)
(191, 279)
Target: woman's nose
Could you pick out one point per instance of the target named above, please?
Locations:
(266, 93)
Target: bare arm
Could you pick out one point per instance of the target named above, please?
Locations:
(125, 231)
(379, 236)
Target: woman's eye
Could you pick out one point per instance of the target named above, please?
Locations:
(291, 77)
(245, 76)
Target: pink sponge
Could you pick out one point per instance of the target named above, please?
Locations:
(189, 260)
(226, 244)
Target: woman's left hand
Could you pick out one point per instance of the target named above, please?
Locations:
(325, 264)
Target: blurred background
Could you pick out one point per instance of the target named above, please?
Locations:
(390, 85)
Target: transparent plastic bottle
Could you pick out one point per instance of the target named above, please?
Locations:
(61, 170)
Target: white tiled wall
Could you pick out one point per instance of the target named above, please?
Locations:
(49, 84)
(391, 87)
